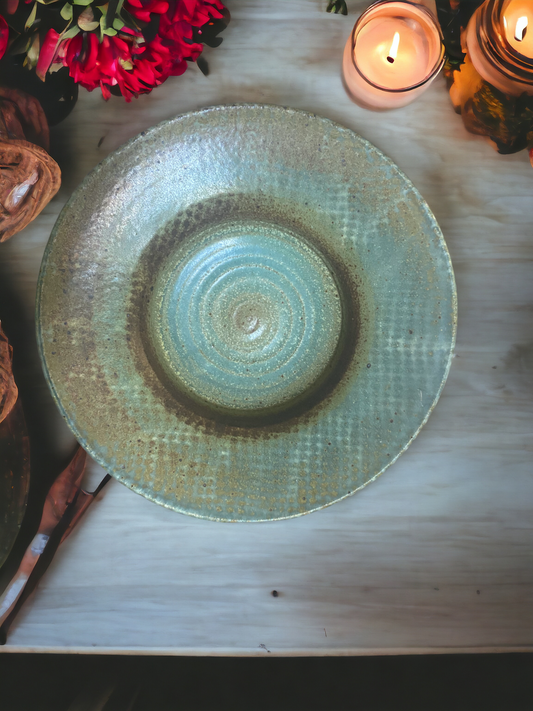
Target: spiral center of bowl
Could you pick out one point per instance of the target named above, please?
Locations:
(247, 323)
(247, 318)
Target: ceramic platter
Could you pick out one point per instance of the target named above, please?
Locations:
(246, 313)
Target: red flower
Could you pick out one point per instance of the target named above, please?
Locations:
(142, 9)
(125, 60)
(176, 28)
(79, 54)
(198, 12)
(195, 12)
(4, 36)
(177, 36)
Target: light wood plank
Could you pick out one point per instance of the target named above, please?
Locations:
(436, 555)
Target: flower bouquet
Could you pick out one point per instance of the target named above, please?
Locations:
(124, 47)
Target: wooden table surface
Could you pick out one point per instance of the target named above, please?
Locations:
(437, 554)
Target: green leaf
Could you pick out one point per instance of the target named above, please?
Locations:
(89, 26)
(129, 20)
(203, 66)
(69, 34)
(20, 44)
(33, 52)
(118, 24)
(112, 7)
(67, 11)
(31, 18)
(86, 20)
(337, 6)
(110, 32)
(81, 2)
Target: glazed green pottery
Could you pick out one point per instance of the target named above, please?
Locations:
(246, 313)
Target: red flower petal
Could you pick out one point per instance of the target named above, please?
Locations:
(143, 9)
(178, 68)
(73, 49)
(47, 53)
(159, 7)
(91, 52)
(198, 12)
(105, 91)
(4, 36)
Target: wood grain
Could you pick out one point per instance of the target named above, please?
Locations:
(437, 554)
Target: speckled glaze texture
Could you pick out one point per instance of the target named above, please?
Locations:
(246, 313)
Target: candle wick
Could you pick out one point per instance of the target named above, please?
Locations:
(393, 51)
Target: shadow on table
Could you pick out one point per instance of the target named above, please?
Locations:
(490, 682)
(46, 456)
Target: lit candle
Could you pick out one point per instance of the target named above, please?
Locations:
(499, 42)
(393, 54)
(518, 25)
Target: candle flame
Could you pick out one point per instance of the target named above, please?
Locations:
(393, 51)
(521, 28)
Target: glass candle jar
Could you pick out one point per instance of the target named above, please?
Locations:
(499, 42)
(395, 51)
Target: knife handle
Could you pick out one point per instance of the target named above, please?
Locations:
(16, 587)
(35, 562)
